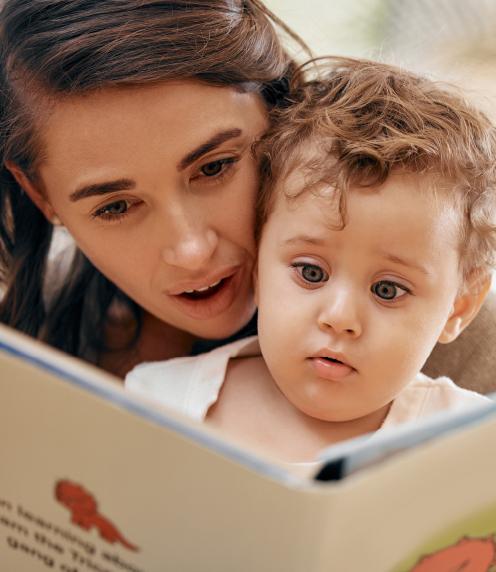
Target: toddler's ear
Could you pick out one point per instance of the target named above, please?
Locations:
(466, 307)
(31, 190)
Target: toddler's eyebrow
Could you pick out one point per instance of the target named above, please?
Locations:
(308, 239)
(405, 262)
(305, 238)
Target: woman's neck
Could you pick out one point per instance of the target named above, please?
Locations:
(157, 341)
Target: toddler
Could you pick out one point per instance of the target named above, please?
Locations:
(376, 235)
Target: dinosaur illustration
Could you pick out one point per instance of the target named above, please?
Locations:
(84, 512)
(467, 555)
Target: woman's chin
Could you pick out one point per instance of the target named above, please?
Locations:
(223, 326)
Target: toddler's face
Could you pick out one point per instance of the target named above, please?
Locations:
(348, 317)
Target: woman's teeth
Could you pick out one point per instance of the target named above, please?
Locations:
(202, 289)
(332, 359)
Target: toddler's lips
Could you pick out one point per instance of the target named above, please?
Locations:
(329, 368)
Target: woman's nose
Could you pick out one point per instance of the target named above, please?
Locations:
(340, 313)
(190, 242)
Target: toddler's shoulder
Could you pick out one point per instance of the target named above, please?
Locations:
(442, 393)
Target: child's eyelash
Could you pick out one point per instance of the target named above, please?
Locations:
(319, 274)
(391, 284)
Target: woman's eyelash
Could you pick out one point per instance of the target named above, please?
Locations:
(217, 169)
(213, 170)
(103, 212)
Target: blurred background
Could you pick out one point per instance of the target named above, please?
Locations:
(452, 40)
(449, 40)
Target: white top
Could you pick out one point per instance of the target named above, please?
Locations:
(192, 384)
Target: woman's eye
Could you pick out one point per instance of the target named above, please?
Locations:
(216, 168)
(113, 211)
(311, 273)
(386, 290)
(212, 169)
(117, 208)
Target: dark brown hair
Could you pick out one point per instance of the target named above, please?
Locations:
(359, 121)
(51, 49)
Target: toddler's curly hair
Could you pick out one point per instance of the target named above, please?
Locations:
(359, 121)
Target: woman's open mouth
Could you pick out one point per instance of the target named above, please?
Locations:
(212, 300)
(207, 292)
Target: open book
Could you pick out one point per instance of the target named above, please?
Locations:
(95, 479)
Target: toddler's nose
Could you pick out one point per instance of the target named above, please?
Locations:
(340, 314)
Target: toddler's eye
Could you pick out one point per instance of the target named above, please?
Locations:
(311, 273)
(387, 290)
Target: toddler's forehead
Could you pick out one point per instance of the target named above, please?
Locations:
(440, 201)
(298, 190)
(317, 175)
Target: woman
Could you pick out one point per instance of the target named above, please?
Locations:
(140, 113)
(131, 122)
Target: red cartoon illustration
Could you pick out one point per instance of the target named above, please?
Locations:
(84, 512)
(467, 555)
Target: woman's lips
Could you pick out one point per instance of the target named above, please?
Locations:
(204, 283)
(204, 293)
(211, 302)
(330, 369)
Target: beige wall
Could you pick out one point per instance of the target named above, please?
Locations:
(333, 26)
(454, 40)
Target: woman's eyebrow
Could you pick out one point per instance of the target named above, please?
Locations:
(101, 189)
(209, 145)
(128, 184)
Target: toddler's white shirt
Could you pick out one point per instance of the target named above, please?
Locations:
(192, 384)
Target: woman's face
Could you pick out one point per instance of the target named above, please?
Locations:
(157, 186)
